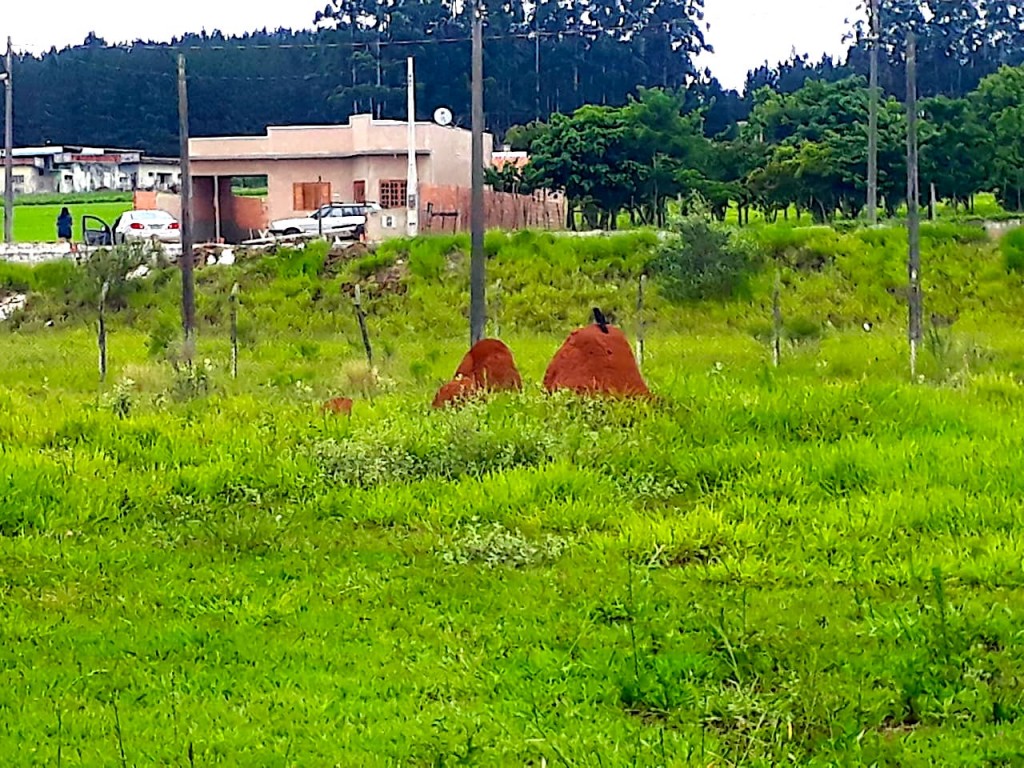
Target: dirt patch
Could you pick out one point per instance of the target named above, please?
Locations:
(487, 367)
(596, 362)
(386, 281)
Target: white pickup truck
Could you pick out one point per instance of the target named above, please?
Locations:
(336, 219)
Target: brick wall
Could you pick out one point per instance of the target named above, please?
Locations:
(446, 209)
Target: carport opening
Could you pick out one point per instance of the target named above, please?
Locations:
(229, 208)
(249, 186)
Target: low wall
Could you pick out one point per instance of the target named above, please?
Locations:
(35, 253)
(447, 209)
(998, 229)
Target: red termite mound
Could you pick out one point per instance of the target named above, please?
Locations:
(487, 367)
(339, 405)
(591, 361)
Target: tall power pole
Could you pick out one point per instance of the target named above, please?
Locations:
(913, 208)
(873, 117)
(478, 266)
(8, 77)
(412, 191)
(187, 260)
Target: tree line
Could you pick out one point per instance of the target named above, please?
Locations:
(804, 151)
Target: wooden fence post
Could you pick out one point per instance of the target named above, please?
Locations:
(102, 330)
(777, 319)
(361, 317)
(640, 321)
(234, 331)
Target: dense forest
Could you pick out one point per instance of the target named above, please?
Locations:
(540, 59)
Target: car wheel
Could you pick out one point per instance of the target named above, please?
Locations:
(292, 231)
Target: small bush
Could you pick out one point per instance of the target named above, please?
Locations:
(698, 261)
(800, 329)
(372, 263)
(1012, 247)
(302, 262)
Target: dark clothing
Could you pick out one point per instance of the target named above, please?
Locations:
(64, 226)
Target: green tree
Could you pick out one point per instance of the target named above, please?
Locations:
(999, 102)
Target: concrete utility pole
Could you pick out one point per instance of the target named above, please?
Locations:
(875, 39)
(412, 186)
(187, 261)
(8, 78)
(913, 208)
(478, 265)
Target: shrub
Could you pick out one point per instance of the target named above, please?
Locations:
(112, 266)
(800, 329)
(697, 261)
(302, 262)
(1012, 246)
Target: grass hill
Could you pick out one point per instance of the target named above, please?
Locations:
(819, 564)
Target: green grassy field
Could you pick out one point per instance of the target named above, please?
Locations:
(37, 223)
(816, 565)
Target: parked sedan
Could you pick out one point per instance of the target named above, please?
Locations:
(147, 225)
(334, 219)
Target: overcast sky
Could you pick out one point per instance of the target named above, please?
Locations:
(745, 33)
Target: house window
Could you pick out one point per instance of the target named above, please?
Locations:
(359, 191)
(392, 193)
(310, 195)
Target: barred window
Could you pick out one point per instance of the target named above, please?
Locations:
(392, 193)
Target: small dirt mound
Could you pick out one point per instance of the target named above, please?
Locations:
(487, 367)
(591, 361)
(339, 405)
(454, 392)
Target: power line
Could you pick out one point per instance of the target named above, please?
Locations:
(374, 44)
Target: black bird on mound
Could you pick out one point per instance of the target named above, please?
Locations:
(601, 320)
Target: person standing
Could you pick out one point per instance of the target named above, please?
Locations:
(64, 225)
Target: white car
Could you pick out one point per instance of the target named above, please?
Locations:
(147, 225)
(345, 219)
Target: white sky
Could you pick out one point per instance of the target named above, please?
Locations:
(745, 33)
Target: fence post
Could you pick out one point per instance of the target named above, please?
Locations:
(640, 321)
(234, 331)
(777, 319)
(102, 330)
(361, 317)
(496, 305)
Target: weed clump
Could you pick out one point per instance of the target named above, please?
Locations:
(495, 545)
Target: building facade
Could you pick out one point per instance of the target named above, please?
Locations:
(70, 169)
(365, 160)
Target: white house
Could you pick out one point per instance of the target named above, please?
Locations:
(67, 169)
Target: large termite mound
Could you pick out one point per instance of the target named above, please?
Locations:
(596, 360)
(487, 367)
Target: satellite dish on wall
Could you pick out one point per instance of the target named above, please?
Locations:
(443, 116)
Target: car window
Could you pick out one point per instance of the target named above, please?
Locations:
(352, 210)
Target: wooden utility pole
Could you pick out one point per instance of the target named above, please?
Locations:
(8, 77)
(478, 265)
(187, 260)
(913, 208)
(873, 117)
